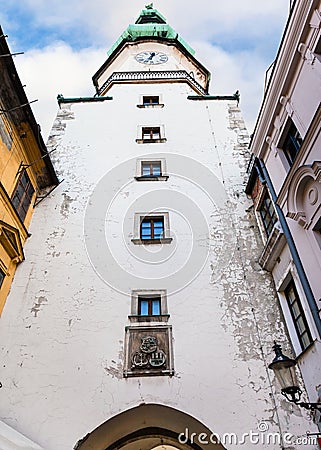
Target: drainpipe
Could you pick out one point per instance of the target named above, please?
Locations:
(262, 171)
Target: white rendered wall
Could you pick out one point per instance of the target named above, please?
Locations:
(62, 329)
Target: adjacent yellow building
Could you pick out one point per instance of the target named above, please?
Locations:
(25, 168)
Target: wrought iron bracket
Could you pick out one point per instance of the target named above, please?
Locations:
(39, 198)
(310, 406)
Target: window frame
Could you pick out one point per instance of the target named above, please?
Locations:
(264, 207)
(152, 221)
(21, 209)
(151, 303)
(140, 217)
(140, 174)
(153, 133)
(148, 100)
(290, 142)
(145, 104)
(290, 303)
(138, 294)
(150, 134)
(150, 165)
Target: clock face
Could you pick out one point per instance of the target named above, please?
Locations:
(151, 58)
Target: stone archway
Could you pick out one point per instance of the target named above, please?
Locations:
(150, 427)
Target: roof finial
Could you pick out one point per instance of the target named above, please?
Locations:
(150, 6)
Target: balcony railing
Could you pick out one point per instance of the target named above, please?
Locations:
(124, 77)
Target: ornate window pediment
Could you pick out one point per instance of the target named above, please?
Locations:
(304, 195)
(11, 242)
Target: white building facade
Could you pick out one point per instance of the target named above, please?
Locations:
(285, 186)
(141, 318)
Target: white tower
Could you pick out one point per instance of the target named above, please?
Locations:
(140, 318)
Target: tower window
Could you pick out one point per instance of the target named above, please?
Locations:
(298, 317)
(151, 169)
(151, 133)
(149, 306)
(150, 100)
(267, 213)
(22, 195)
(152, 228)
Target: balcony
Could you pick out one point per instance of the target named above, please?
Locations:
(273, 248)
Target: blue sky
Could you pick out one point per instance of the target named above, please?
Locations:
(65, 42)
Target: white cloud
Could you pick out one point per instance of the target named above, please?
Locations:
(108, 18)
(54, 70)
(230, 72)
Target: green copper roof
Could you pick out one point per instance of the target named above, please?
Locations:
(150, 23)
(150, 15)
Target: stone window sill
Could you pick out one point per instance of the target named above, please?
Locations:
(138, 318)
(152, 178)
(157, 105)
(151, 141)
(139, 241)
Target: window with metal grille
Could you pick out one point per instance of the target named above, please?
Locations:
(292, 143)
(151, 169)
(267, 213)
(298, 317)
(151, 133)
(22, 195)
(2, 277)
(152, 228)
(149, 306)
(150, 100)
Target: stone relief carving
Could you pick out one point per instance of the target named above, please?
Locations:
(148, 351)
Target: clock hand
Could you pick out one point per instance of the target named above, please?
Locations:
(152, 55)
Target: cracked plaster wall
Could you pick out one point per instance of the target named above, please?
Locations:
(62, 330)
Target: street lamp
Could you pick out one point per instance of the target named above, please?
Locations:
(284, 370)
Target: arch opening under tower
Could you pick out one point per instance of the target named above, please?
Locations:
(150, 427)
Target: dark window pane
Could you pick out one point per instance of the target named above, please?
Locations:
(305, 340)
(296, 310)
(298, 316)
(24, 179)
(150, 100)
(292, 144)
(22, 195)
(2, 277)
(267, 214)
